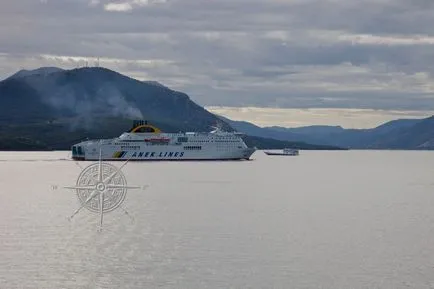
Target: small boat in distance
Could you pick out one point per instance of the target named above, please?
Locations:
(285, 152)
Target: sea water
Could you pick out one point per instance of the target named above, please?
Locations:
(323, 219)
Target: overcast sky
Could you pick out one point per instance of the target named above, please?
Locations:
(360, 57)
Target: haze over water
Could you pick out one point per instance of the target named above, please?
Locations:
(341, 219)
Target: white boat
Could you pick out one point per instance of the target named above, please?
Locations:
(285, 152)
(146, 142)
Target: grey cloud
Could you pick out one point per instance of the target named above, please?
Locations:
(245, 52)
(380, 100)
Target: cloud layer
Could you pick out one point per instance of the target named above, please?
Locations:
(373, 54)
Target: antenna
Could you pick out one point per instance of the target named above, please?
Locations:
(217, 128)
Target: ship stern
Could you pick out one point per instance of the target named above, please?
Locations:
(78, 152)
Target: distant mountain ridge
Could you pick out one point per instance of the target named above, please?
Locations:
(311, 129)
(397, 134)
(53, 108)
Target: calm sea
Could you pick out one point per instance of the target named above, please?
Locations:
(344, 219)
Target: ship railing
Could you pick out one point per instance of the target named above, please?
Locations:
(99, 142)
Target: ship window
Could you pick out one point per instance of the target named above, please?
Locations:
(79, 151)
(74, 150)
(192, 148)
(182, 139)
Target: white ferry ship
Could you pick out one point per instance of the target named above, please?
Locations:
(146, 142)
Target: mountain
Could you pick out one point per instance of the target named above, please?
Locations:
(396, 134)
(53, 108)
(40, 71)
(419, 135)
(270, 143)
(254, 130)
(278, 133)
(394, 125)
(86, 94)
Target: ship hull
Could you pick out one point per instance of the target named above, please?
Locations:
(281, 154)
(166, 153)
(157, 160)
